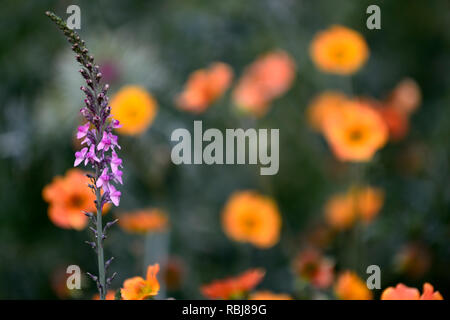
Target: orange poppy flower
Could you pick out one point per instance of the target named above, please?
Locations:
(339, 50)
(350, 287)
(233, 287)
(269, 77)
(343, 209)
(356, 133)
(204, 87)
(135, 108)
(369, 202)
(312, 267)
(326, 105)
(267, 295)
(253, 218)
(68, 197)
(340, 211)
(402, 292)
(143, 221)
(138, 288)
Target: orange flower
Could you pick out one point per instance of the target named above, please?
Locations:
(402, 292)
(204, 87)
(311, 266)
(138, 288)
(429, 293)
(325, 105)
(396, 122)
(340, 211)
(339, 50)
(110, 295)
(350, 287)
(267, 295)
(269, 77)
(143, 221)
(356, 133)
(253, 218)
(233, 287)
(135, 108)
(405, 97)
(369, 202)
(343, 209)
(68, 197)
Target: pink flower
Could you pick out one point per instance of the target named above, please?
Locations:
(116, 162)
(80, 156)
(83, 130)
(103, 180)
(108, 141)
(114, 195)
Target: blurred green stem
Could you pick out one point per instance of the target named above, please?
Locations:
(100, 255)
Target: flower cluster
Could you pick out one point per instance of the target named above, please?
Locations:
(100, 144)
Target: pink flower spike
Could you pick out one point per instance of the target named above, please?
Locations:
(80, 156)
(103, 180)
(114, 195)
(83, 130)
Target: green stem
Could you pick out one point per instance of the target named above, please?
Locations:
(100, 255)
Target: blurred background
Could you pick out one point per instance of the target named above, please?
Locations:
(156, 45)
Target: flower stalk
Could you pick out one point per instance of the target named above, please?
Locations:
(99, 148)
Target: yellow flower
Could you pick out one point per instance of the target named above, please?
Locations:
(350, 287)
(253, 218)
(135, 108)
(138, 288)
(339, 50)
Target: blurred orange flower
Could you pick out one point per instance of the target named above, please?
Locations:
(253, 218)
(324, 106)
(343, 209)
(350, 287)
(356, 133)
(269, 77)
(396, 122)
(135, 108)
(68, 197)
(340, 211)
(402, 292)
(267, 295)
(143, 221)
(233, 287)
(138, 288)
(110, 295)
(405, 97)
(339, 50)
(204, 87)
(369, 202)
(311, 266)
